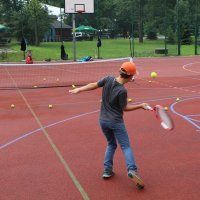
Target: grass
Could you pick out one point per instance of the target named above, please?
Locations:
(111, 48)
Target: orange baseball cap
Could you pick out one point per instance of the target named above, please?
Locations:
(129, 68)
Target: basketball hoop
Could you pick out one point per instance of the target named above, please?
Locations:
(80, 11)
(79, 8)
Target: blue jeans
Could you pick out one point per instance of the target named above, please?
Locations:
(116, 132)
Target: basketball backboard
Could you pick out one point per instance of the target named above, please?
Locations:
(79, 6)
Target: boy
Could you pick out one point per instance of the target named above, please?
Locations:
(114, 102)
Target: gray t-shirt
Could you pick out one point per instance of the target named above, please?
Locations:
(114, 99)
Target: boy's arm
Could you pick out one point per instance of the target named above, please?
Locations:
(90, 86)
(135, 107)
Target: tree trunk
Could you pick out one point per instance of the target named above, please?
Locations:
(36, 33)
(140, 24)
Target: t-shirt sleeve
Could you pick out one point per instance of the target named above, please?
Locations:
(102, 82)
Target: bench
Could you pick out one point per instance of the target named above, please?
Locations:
(161, 51)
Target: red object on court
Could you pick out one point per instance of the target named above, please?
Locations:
(29, 60)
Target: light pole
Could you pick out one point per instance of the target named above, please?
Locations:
(74, 37)
(178, 28)
(196, 29)
(165, 27)
(132, 37)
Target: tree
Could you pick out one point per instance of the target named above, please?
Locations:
(25, 18)
(135, 17)
(184, 22)
(1, 12)
(38, 20)
(141, 17)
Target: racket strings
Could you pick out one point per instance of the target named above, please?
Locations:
(165, 119)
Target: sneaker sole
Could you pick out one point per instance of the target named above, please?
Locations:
(107, 176)
(137, 180)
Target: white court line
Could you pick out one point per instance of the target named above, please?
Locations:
(189, 64)
(63, 63)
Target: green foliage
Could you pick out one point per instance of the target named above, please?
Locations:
(151, 35)
(185, 19)
(30, 19)
(151, 31)
(137, 17)
(37, 21)
(186, 35)
(171, 36)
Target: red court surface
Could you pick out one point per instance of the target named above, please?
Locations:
(57, 154)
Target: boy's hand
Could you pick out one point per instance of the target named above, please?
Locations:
(74, 91)
(146, 106)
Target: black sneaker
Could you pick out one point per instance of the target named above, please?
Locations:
(136, 179)
(108, 173)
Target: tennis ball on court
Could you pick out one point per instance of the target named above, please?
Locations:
(166, 108)
(50, 106)
(153, 74)
(177, 99)
(35, 86)
(129, 100)
(73, 86)
(12, 105)
(44, 79)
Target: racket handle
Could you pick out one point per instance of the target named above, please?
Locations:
(148, 108)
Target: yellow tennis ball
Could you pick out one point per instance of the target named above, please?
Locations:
(35, 86)
(166, 108)
(12, 105)
(153, 74)
(177, 99)
(50, 106)
(129, 100)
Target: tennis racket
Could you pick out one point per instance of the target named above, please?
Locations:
(163, 116)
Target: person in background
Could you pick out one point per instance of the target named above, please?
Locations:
(63, 55)
(29, 59)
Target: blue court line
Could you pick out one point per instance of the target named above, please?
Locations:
(196, 120)
(183, 116)
(39, 129)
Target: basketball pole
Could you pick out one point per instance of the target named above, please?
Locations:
(74, 37)
(61, 18)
